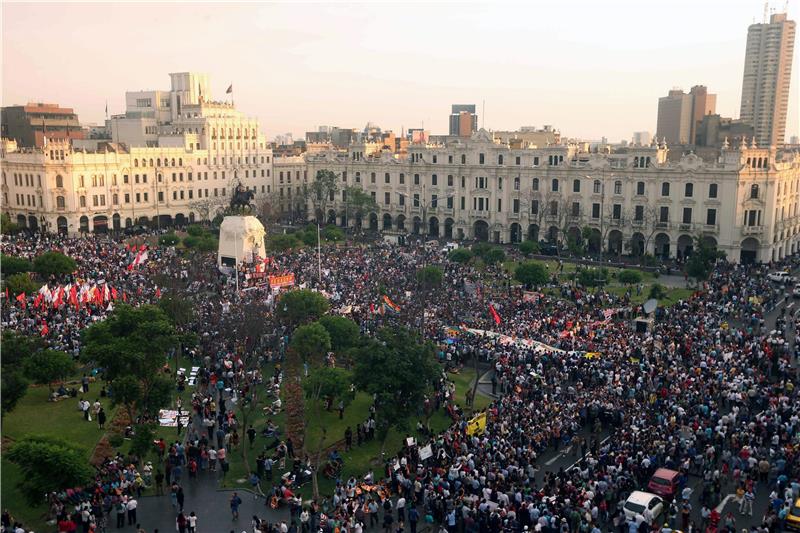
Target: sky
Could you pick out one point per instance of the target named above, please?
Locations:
(588, 68)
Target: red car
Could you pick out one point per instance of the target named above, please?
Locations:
(664, 483)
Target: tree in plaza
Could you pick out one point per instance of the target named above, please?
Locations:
(429, 277)
(531, 274)
(460, 255)
(322, 190)
(133, 342)
(701, 262)
(495, 255)
(358, 202)
(629, 277)
(15, 348)
(300, 306)
(332, 233)
(19, 283)
(344, 333)
(54, 264)
(6, 226)
(399, 371)
(49, 464)
(528, 247)
(10, 265)
(48, 366)
(311, 342)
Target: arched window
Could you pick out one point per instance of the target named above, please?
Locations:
(576, 185)
(59, 181)
(158, 161)
(597, 187)
(83, 201)
(136, 162)
(151, 162)
(754, 191)
(81, 183)
(516, 183)
(617, 187)
(115, 199)
(94, 180)
(500, 159)
(554, 185)
(180, 162)
(173, 162)
(535, 184)
(60, 203)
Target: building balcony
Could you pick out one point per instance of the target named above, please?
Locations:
(637, 223)
(662, 225)
(686, 226)
(710, 228)
(752, 230)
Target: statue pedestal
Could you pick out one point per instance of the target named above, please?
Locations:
(241, 239)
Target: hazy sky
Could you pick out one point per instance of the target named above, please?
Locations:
(587, 67)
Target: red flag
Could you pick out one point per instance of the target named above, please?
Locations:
(494, 314)
(124, 297)
(21, 299)
(139, 290)
(45, 330)
(113, 293)
(372, 308)
(127, 246)
(142, 248)
(98, 296)
(37, 301)
(6, 293)
(158, 292)
(73, 296)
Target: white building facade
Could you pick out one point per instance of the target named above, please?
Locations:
(173, 158)
(634, 201)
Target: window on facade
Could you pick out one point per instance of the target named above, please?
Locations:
(711, 217)
(754, 191)
(665, 189)
(434, 180)
(500, 159)
(416, 200)
(60, 203)
(371, 177)
(416, 179)
(127, 198)
(687, 215)
(576, 209)
(616, 211)
(115, 199)
(554, 185)
(463, 159)
(449, 180)
(536, 160)
(554, 208)
(688, 190)
(387, 178)
(517, 160)
(663, 214)
(481, 158)
(81, 182)
(535, 184)
(387, 198)
(576, 185)
(434, 201)
(595, 210)
(515, 205)
(712, 190)
(617, 187)
(83, 201)
(638, 213)
(597, 187)
(402, 200)
(59, 181)
(640, 188)
(535, 207)
(402, 179)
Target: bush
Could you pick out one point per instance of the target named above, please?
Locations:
(657, 291)
(169, 239)
(531, 274)
(191, 241)
(495, 255)
(529, 247)
(629, 277)
(116, 440)
(282, 242)
(430, 276)
(460, 255)
(142, 441)
(11, 265)
(308, 237)
(195, 230)
(333, 234)
(49, 464)
(19, 283)
(480, 249)
(593, 277)
(54, 264)
(207, 244)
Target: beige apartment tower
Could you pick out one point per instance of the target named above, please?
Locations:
(767, 73)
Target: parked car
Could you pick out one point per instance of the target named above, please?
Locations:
(639, 500)
(664, 483)
(793, 518)
(782, 277)
(796, 291)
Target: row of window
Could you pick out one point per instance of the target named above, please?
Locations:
(230, 133)
(99, 200)
(171, 162)
(296, 175)
(26, 180)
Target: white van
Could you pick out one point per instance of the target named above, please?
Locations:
(639, 501)
(781, 277)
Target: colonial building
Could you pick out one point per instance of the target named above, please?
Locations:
(173, 157)
(633, 201)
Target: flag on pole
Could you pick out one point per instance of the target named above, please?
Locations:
(389, 303)
(229, 90)
(158, 293)
(495, 315)
(45, 330)
(21, 299)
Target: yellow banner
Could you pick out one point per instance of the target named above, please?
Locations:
(477, 425)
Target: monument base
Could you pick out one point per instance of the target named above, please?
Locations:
(241, 239)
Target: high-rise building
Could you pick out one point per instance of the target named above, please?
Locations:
(463, 120)
(703, 104)
(675, 117)
(641, 138)
(29, 124)
(767, 73)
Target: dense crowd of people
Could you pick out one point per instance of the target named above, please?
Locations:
(705, 390)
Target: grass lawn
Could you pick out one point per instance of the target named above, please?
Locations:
(35, 415)
(552, 266)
